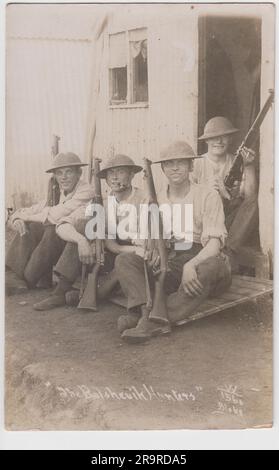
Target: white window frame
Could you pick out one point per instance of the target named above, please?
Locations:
(129, 104)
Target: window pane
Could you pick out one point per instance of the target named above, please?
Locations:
(140, 72)
(118, 79)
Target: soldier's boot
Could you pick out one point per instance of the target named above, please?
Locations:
(51, 302)
(57, 297)
(125, 322)
(145, 329)
(14, 284)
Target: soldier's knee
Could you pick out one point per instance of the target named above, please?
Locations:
(215, 272)
(207, 269)
(80, 226)
(122, 260)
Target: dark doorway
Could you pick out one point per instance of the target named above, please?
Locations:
(229, 71)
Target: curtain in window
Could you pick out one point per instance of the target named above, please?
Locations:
(139, 47)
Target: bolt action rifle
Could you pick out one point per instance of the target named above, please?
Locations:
(237, 168)
(156, 304)
(88, 288)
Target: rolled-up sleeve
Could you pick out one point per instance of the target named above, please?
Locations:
(39, 212)
(74, 218)
(213, 219)
(81, 198)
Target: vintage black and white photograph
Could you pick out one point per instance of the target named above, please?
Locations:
(139, 151)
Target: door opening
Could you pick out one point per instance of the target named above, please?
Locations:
(229, 71)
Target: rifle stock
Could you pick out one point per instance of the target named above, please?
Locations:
(157, 305)
(236, 170)
(88, 298)
(88, 290)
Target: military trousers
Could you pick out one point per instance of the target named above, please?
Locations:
(242, 221)
(32, 255)
(214, 274)
(69, 265)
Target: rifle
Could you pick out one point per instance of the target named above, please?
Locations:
(88, 291)
(88, 294)
(157, 306)
(236, 170)
(53, 191)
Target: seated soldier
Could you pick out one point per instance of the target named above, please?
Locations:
(194, 272)
(36, 247)
(119, 173)
(241, 207)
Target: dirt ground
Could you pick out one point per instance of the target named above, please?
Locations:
(66, 369)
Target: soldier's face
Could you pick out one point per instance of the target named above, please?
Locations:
(67, 178)
(119, 179)
(219, 146)
(177, 171)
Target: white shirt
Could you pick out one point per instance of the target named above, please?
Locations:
(80, 196)
(208, 213)
(206, 170)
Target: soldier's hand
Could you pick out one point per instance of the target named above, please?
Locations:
(220, 187)
(85, 251)
(20, 227)
(190, 282)
(234, 192)
(139, 250)
(154, 259)
(248, 155)
(148, 250)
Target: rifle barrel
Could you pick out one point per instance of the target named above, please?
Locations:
(259, 118)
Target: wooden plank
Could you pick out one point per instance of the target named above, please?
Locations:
(205, 313)
(240, 290)
(231, 296)
(251, 282)
(250, 285)
(220, 303)
(243, 289)
(254, 280)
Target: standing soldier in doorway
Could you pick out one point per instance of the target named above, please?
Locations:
(240, 206)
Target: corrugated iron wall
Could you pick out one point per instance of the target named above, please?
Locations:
(173, 88)
(48, 83)
(49, 88)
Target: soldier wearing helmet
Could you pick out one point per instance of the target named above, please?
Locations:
(196, 269)
(241, 209)
(118, 172)
(36, 246)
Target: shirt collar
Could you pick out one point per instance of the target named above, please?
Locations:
(126, 201)
(64, 197)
